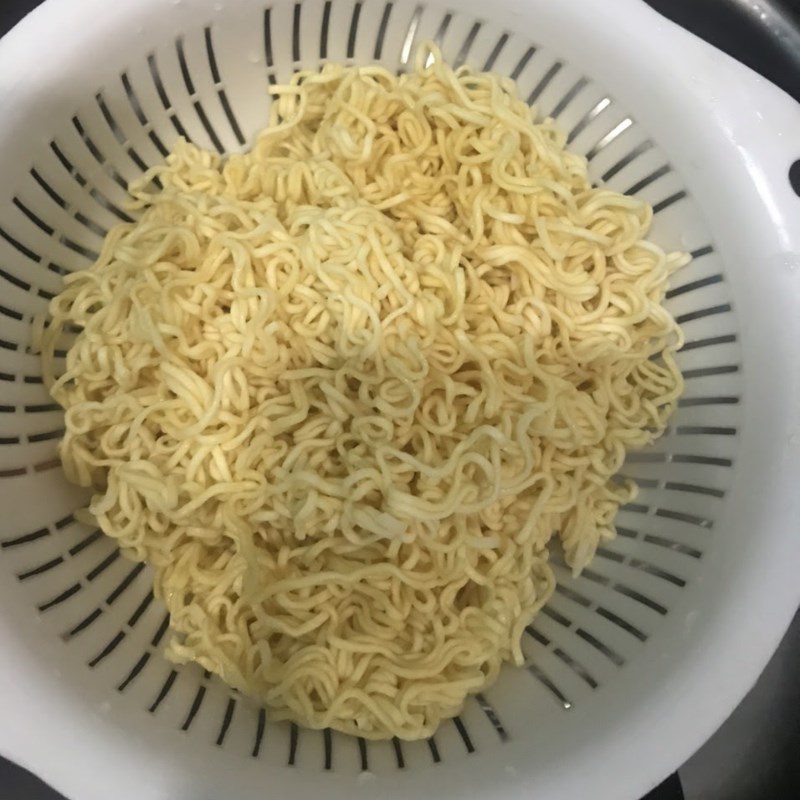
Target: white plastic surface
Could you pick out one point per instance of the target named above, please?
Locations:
(633, 664)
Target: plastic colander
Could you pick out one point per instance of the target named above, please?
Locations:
(630, 666)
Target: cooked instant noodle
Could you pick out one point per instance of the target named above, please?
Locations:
(344, 392)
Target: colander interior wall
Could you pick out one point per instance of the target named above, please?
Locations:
(208, 82)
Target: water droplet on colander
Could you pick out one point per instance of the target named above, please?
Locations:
(254, 58)
(790, 261)
(787, 260)
(218, 6)
(105, 707)
(794, 439)
(510, 770)
(365, 777)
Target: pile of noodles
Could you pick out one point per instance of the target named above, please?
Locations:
(342, 390)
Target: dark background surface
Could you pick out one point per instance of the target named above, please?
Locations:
(756, 753)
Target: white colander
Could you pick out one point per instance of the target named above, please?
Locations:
(632, 665)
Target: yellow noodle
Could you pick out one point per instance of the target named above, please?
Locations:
(342, 390)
